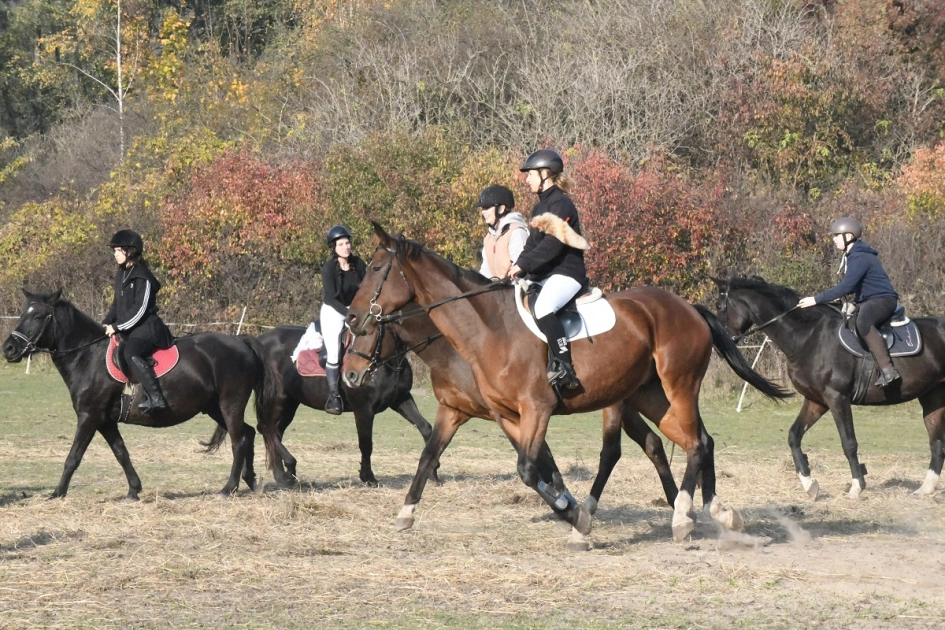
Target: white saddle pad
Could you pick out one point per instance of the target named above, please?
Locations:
(597, 315)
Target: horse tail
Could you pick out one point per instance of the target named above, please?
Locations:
(213, 444)
(726, 347)
(265, 389)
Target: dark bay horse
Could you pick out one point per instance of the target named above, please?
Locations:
(459, 400)
(390, 389)
(824, 373)
(654, 358)
(216, 375)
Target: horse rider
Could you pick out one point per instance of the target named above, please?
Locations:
(865, 277)
(507, 231)
(133, 315)
(553, 257)
(341, 277)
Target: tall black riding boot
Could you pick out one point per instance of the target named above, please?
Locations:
(560, 369)
(877, 345)
(334, 404)
(154, 397)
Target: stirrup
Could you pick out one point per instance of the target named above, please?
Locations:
(887, 377)
(334, 405)
(150, 404)
(561, 374)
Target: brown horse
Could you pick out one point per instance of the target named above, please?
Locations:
(455, 389)
(654, 359)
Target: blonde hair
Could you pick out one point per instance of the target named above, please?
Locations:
(562, 181)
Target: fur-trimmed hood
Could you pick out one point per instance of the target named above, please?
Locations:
(557, 227)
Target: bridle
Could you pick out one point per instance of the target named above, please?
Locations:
(31, 344)
(376, 311)
(374, 359)
(753, 329)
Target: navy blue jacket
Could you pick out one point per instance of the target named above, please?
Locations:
(864, 277)
(544, 255)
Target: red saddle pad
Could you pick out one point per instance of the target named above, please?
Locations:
(165, 360)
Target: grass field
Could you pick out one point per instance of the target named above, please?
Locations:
(483, 552)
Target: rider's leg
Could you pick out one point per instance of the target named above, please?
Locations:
(557, 291)
(138, 349)
(871, 313)
(333, 324)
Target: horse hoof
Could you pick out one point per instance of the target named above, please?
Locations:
(131, 498)
(856, 487)
(682, 528)
(577, 542)
(590, 504)
(403, 524)
(814, 490)
(583, 523)
(725, 516)
(371, 482)
(259, 486)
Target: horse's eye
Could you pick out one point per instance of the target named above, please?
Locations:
(376, 269)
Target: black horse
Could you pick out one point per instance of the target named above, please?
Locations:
(390, 389)
(826, 374)
(216, 375)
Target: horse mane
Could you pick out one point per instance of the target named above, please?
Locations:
(784, 298)
(413, 250)
(66, 311)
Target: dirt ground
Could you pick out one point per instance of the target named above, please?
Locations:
(483, 552)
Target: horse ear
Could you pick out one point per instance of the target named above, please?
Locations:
(54, 297)
(719, 282)
(381, 237)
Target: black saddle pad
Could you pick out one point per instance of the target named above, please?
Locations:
(902, 341)
(568, 314)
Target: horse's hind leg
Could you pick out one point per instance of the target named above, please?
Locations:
(249, 453)
(111, 434)
(640, 432)
(933, 410)
(843, 417)
(241, 443)
(809, 414)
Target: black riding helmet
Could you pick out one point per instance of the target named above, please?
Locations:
(496, 195)
(544, 158)
(336, 232)
(127, 239)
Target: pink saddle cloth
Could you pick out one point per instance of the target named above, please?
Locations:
(164, 360)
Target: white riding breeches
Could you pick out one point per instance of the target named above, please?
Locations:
(333, 323)
(556, 291)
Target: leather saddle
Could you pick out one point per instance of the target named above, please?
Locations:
(313, 362)
(163, 361)
(586, 315)
(900, 333)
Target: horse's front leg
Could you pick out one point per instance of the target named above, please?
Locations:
(529, 433)
(364, 423)
(809, 414)
(84, 432)
(407, 408)
(843, 417)
(933, 411)
(448, 421)
(110, 432)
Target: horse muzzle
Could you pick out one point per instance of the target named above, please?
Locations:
(12, 351)
(355, 378)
